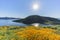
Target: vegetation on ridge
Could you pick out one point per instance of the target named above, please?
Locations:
(38, 19)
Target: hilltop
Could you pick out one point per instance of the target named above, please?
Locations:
(38, 19)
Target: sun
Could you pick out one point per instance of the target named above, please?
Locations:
(35, 6)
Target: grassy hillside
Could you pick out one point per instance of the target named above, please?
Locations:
(38, 19)
(29, 33)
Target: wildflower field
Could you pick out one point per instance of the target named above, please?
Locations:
(29, 33)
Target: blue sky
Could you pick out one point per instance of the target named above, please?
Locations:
(23, 8)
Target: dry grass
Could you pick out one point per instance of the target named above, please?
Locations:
(28, 33)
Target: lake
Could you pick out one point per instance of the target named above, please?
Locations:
(9, 22)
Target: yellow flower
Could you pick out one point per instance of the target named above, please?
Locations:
(39, 34)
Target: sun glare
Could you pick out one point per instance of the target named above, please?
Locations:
(35, 6)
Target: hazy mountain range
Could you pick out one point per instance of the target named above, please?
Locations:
(8, 18)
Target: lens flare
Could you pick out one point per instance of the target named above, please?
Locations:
(35, 6)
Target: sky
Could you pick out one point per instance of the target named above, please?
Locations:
(23, 8)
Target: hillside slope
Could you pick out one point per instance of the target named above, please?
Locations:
(38, 19)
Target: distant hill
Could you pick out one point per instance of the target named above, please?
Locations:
(8, 18)
(38, 19)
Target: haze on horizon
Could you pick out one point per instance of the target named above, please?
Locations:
(23, 8)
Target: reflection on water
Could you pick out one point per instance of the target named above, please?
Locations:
(9, 22)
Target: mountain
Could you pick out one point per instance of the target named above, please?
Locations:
(8, 18)
(38, 19)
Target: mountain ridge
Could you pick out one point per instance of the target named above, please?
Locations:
(8, 18)
(38, 19)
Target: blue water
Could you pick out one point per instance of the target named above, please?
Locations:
(9, 22)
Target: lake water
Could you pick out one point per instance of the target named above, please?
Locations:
(9, 22)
